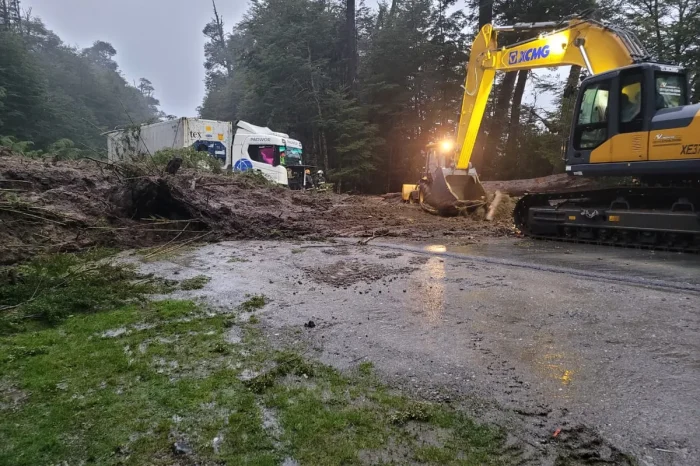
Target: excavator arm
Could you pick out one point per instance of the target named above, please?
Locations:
(582, 42)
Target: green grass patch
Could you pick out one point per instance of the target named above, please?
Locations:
(253, 303)
(194, 283)
(50, 288)
(121, 387)
(235, 259)
(333, 418)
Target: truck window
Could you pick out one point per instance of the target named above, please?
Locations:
(592, 123)
(262, 154)
(293, 157)
(670, 90)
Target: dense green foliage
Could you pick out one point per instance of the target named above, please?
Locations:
(50, 91)
(286, 66)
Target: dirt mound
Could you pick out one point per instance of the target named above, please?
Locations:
(73, 205)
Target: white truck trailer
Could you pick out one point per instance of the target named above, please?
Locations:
(240, 146)
(210, 136)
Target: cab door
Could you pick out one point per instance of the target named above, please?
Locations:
(591, 130)
(262, 158)
(631, 143)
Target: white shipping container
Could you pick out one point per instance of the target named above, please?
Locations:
(215, 137)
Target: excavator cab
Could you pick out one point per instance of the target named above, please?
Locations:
(628, 120)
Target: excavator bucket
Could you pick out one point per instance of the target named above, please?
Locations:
(407, 191)
(450, 192)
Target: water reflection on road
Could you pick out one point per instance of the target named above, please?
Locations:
(428, 287)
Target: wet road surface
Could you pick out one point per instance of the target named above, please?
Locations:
(599, 342)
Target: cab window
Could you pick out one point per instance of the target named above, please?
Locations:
(670, 90)
(592, 123)
(262, 154)
(631, 116)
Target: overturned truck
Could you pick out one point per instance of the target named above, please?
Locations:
(239, 146)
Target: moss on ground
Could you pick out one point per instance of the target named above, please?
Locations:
(194, 283)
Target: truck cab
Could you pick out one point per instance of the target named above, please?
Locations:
(258, 148)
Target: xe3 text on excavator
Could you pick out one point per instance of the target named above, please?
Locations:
(632, 119)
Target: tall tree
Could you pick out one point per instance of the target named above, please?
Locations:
(351, 43)
(23, 92)
(10, 15)
(146, 87)
(512, 149)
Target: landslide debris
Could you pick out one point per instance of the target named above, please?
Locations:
(74, 205)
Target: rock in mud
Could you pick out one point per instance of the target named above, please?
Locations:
(182, 448)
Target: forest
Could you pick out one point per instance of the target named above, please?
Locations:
(364, 87)
(57, 98)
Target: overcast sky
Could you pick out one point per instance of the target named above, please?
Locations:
(156, 39)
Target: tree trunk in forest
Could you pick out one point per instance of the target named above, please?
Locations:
(5, 12)
(221, 38)
(392, 10)
(314, 148)
(324, 150)
(317, 98)
(512, 156)
(351, 45)
(568, 101)
(485, 12)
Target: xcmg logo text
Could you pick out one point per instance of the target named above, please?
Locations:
(534, 53)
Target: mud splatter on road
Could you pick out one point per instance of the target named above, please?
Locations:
(348, 272)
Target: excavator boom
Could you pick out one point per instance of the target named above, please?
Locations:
(451, 185)
(558, 44)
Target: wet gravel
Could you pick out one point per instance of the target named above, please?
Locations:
(582, 353)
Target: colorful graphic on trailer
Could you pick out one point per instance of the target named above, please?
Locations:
(215, 148)
(242, 165)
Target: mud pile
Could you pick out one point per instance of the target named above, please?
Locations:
(66, 206)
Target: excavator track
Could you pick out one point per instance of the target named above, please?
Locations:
(641, 217)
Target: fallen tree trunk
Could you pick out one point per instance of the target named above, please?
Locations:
(544, 184)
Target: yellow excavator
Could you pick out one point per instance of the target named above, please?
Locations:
(632, 119)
